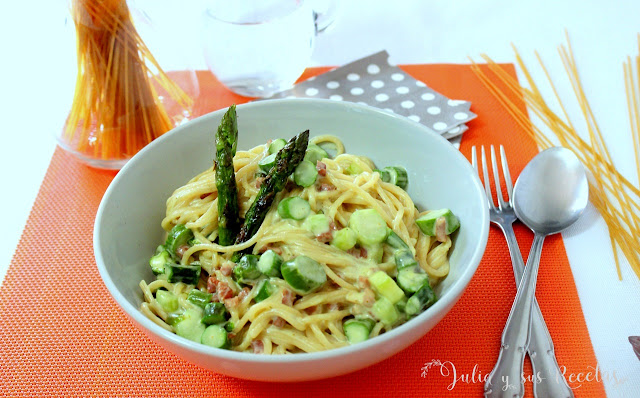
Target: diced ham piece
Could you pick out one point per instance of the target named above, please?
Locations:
(235, 301)
(258, 346)
(326, 187)
(364, 281)
(212, 284)
(369, 298)
(441, 226)
(356, 252)
(322, 168)
(224, 291)
(226, 269)
(181, 250)
(232, 302)
(279, 322)
(310, 310)
(271, 246)
(244, 292)
(288, 297)
(325, 237)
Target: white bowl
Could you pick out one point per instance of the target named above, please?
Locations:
(127, 227)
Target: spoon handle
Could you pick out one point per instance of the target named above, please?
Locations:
(505, 380)
(548, 381)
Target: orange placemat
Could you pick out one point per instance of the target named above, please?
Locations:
(62, 334)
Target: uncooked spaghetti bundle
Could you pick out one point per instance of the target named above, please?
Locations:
(117, 106)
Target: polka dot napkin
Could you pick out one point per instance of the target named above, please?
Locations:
(374, 81)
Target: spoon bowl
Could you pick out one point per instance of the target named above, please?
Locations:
(551, 192)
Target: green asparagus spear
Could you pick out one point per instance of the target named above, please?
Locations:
(226, 144)
(287, 160)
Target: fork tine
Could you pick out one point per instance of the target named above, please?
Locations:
(487, 182)
(496, 176)
(474, 162)
(506, 174)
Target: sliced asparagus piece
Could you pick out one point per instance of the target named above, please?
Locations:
(386, 287)
(269, 263)
(404, 258)
(305, 174)
(303, 274)
(188, 274)
(247, 269)
(344, 239)
(178, 236)
(158, 261)
(267, 162)
(369, 226)
(215, 336)
(358, 330)
(395, 241)
(384, 175)
(411, 279)
(265, 290)
(199, 298)
(314, 154)
(277, 145)
(421, 300)
(317, 224)
(167, 300)
(397, 176)
(226, 144)
(188, 325)
(215, 312)
(354, 169)
(438, 223)
(385, 311)
(294, 207)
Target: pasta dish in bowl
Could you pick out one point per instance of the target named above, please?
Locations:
(307, 245)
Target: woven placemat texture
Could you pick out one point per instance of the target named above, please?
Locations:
(61, 333)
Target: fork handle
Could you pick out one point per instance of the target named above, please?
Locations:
(505, 380)
(549, 380)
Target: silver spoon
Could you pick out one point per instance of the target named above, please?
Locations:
(550, 194)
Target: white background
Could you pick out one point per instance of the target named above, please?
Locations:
(36, 80)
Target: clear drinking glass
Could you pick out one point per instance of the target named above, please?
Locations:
(258, 47)
(326, 12)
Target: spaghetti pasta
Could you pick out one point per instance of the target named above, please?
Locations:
(285, 321)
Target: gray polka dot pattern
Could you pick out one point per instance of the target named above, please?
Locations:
(373, 81)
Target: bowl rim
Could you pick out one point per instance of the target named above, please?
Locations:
(453, 294)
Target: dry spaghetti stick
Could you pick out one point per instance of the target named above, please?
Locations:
(613, 182)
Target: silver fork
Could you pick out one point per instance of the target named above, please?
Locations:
(505, 379)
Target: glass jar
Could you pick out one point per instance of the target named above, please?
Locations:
(132, 82)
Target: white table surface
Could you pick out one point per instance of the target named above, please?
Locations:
(35, 86)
